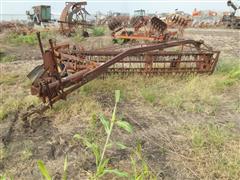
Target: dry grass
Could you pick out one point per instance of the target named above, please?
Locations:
(14, 93)
(191, 93)
(212, 151)
(3, 153)
(74, 106)
(9, 58)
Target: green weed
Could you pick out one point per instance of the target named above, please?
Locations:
(142, 171)
(230, 78)
(227, 65)
(65, 167)
(17, 39)
(235, 73)
(101, 161)
(3, 177)
(149, 95)
(29, 39)
(98, 31)
(43, 170)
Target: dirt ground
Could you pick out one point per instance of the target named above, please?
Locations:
(227, 41)
(49, 136)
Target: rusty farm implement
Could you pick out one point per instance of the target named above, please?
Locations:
(142, 28)
(147, 28)
(65, 68)
(74, 15)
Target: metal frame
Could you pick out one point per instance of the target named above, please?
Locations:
(66, 68)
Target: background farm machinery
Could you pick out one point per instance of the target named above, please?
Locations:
(73, 16)
(67, 67)
(142, 27)
(233, 19)
(40, 14)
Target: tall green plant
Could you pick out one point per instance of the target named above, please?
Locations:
(100, 156)
(142, 172)
(3, 177)
(43, 170)
(45, 174)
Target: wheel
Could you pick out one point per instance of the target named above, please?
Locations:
(36, 21)
(85, 34)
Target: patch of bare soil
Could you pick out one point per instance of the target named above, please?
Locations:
(225, 40)
(42, 137)
(157, 129)
(38, 139)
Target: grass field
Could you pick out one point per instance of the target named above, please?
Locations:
(183, 127)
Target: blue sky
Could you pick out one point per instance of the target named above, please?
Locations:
(151, 6)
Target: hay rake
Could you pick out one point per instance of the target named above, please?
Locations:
(65, 68)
